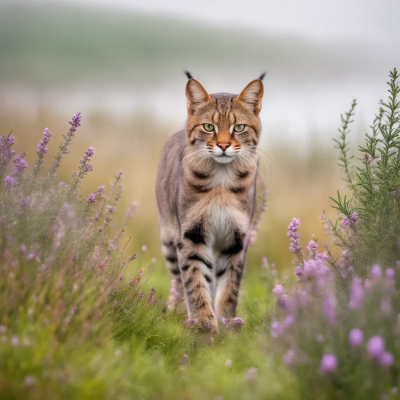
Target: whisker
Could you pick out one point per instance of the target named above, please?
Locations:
(263, 148)
(247, 155)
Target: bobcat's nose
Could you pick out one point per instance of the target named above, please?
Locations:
(223, 146)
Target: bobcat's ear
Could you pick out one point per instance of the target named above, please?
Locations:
(252, 95)
(195, 93)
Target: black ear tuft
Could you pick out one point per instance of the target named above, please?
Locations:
(262, 75)
(188, 74)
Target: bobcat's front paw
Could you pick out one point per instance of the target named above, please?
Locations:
(204, 323)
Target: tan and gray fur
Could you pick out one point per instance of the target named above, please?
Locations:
(205, 191)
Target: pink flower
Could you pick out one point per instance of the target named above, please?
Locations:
(356, 337)
(376, 272)
(238, 321)
(312, 248)
(92, 198)
(9, 182)
(376, 347)
(386, 359)
(329, 363)
(294, 237)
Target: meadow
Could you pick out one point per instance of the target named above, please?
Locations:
(84, 287)
(82, 316)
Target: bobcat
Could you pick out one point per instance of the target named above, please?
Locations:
(205, 190)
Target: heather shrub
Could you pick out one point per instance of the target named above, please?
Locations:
(66, 287)
(373, 209)
(338, 329)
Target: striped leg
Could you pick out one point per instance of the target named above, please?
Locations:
(169, 251)
(196, 268)
(176, 292)
(229, 276)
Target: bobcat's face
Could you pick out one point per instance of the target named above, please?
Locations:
(223, 126)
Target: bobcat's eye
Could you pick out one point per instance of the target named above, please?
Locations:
(208, 127)
(239, 128)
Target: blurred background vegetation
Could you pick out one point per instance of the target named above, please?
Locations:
(121, 67)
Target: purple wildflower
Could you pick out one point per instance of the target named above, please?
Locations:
(6, 154)
(278, 290)
(92, 198)
(390, 274)
(252, 374)
(288, 358)
(386, 359)
(312, 248)
(20, 164)
(9, 182)
(294, 237)
(24, 201)
(319, 337)
(131, 209)
(356, 337)
(111, 209)
(398, 264)
(29, 380)
(280, 296)
(376, 272)
(88, 153)
(15, 340)
(100, 189)
(330, 309)
(327, 226)
(238, 321)
(175, 294)
(42, 149)
(356, 294)
(63, 185)
(226, 322)
(386, 307)
(75, 123)
(317, 269)
(86, 167)
(276, 328)
(352, 221)
(299, 273)
(376, 347)
(151, 295)
(329, 363)
(345, 264)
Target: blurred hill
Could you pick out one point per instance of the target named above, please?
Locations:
(47, 43)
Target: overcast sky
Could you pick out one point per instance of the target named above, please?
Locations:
(361, 20)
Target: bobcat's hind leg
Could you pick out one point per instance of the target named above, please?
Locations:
(170, 253)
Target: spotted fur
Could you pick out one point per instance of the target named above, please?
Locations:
(206, 195)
